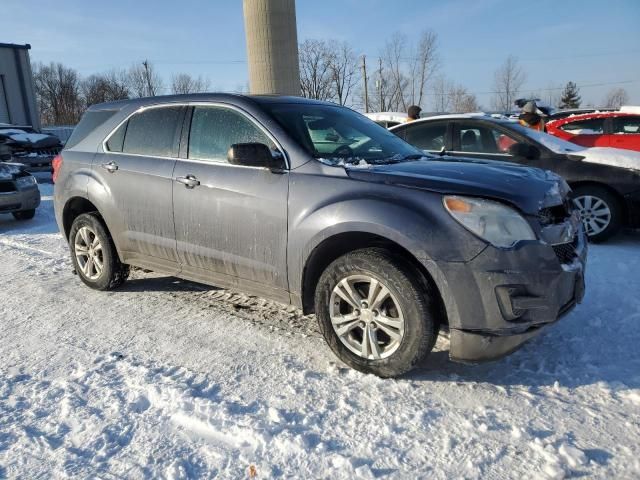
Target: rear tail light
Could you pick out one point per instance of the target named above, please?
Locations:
(56, 163)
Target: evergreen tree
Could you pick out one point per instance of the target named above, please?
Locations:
(570, 96)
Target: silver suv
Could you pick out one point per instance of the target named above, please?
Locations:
(312, 204)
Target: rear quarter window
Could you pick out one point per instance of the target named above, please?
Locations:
(89, 122)
(592, 126)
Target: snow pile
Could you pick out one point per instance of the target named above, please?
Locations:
(170, 379)
(616, 157)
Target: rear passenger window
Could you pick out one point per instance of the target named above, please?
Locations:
(426, 137)
(153, 132)
(593, 126)
(215, 129)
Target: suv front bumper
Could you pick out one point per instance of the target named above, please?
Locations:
(25, 199)
(505, 297)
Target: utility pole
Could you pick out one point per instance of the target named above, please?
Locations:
(380, 84)
(366, 84)
(148, 77)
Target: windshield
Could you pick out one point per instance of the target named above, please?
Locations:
(555, 144)
(337, 135)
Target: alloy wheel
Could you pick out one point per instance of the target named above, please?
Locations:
(594, 213)
(366, 316)
(88, 252)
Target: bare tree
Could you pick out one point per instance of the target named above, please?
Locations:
(185, 83)
(616, 98)
(509, 79)
(343, 65)
(58, 92)
(144, 81)
(316, 80)
(462, 101)
(442, 88)
(392, 54)
(424, 64)
(105, 87)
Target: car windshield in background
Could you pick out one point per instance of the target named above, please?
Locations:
(555, 144)
(337, 135)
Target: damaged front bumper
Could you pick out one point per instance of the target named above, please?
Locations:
(505, 297)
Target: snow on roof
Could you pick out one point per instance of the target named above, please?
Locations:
(386, 116)
(630, 109)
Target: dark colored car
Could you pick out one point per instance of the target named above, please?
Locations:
(312, 204)
(32, 149)
(19, 193)
(605, 190)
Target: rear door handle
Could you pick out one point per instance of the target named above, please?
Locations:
(110, 167)
(190, 181)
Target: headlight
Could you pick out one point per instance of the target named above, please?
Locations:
(498, 224)
(26, 181)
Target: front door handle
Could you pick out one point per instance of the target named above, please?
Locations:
(190, 181)
(110, 167)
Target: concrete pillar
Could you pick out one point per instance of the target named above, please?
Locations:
(272, 46)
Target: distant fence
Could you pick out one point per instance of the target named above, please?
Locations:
(63, 132)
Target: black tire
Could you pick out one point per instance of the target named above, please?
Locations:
(421, 324)
(114, 272)
(612, 203)
(24, 214)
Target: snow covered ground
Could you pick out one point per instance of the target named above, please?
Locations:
(170, 379)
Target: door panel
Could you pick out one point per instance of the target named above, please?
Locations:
(138, 186)
(231, 228)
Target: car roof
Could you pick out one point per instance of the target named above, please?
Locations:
(457, 116)
(587, 116)
(206, 97)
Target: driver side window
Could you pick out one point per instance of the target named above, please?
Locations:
(483, 139)
(215, 129)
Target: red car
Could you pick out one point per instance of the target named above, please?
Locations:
(604, 129)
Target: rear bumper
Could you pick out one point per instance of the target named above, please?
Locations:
(506, 297)
(27, 199)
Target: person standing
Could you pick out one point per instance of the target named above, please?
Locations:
(413, 113)
(532, 117)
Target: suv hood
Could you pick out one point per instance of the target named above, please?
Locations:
(529, 189)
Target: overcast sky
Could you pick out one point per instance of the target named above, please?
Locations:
(591, 42)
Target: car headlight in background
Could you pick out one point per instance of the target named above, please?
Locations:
(498, 224)
(26, 181)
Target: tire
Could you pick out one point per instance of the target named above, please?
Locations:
(600, 211)
(86, 228)
(408, 303)
(24, 214)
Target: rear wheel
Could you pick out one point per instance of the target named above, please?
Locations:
(600, 211)
(25, 214)
(94, 255)
(375, 313)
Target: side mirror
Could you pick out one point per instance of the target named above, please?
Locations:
(253, 155)
(524, 150)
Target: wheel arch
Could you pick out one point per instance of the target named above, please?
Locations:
(74, 207)
(340, 244)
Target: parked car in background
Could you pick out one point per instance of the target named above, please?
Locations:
(605, 181)
(19, 193)
(617, 129)
(26, 146)
(310, 203)
(560, 114)
(387, 119)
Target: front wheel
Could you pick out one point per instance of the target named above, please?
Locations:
(600, 212)
(375, 313)
(94, 255)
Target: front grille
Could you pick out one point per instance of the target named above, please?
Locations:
(565, 252)
(6, 187)
(38, 152)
